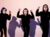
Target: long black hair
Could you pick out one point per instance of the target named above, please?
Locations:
(3, 9)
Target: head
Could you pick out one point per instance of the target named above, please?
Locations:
(14, 18)
(25, 11)
(45, 8)
(3, 10)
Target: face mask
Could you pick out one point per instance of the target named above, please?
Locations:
(45, 9)
(4, 11)
(25, 12)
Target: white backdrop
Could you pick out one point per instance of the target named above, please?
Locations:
(13, 5)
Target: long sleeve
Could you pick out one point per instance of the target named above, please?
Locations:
(49, 15)
(19, 16)
(9, 16)
(31, 16)
(37, 12)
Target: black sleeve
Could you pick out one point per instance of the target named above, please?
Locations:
(0, 16)
(37, 12)
(9, 16)
(49, 15)
(31, 16)
(19, 16)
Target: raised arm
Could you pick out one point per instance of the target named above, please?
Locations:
(19, 16)
(32, 15)
(37, 12)
(9, 16)
(49, 15)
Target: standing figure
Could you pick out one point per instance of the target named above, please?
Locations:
(12, 26)
(25, 21)
(33, 24)
(3, 20)
(49, 30)
(44, 19)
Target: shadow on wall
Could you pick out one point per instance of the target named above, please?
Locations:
(12, 26)
(49, 30)
(33, 24)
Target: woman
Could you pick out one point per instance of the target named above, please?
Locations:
(45, 15)
(3, 20)
(25, 21)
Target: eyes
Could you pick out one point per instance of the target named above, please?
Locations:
(25, 10)
(45, 6)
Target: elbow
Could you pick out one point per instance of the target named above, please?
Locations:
(32, 16)
(36, 13)
(17, 16)
(9, 18)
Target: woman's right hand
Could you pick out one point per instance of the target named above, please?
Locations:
(39, 7)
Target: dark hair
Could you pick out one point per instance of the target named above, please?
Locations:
(47, 7)
(14, 18)
(3, 9)
(25, 9)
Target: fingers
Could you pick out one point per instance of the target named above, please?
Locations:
(30, 10)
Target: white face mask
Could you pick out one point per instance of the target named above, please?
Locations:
(25, 12)
(4, 11)
(45, 9)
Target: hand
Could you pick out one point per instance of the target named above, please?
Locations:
(30, 10)
(2, 29)
(39, 7)
(19, 9)
(9, 12)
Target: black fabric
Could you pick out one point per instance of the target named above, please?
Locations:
(5, 30)
(26, 30)
(45, 17)
(25, 22)
(3, 20)
(45, 29)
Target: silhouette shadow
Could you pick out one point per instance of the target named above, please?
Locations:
(33, 24)
(12, 26)
(49, 30)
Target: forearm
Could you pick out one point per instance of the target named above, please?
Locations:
(9, 16)
(32, 15)
(18, 13)
(37, 12)
(49, 15)
(19, 16)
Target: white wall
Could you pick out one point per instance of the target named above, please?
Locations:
(13, 5)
